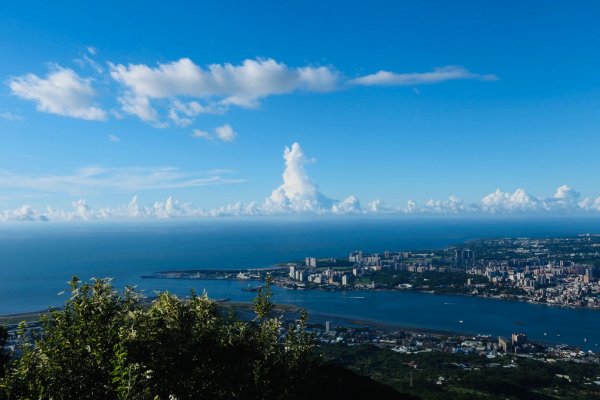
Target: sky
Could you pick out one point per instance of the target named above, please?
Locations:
(148, 109)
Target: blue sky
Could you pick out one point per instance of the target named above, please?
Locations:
(474, 96)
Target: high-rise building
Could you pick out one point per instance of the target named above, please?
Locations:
(519, 339)
(589, 275)
(504, 344)
(311, 262)
(463, 258)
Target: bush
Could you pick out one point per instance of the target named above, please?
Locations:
(106, 345)
(4, 355)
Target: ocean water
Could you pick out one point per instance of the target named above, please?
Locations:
(36, 261)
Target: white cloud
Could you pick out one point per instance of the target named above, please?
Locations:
(86, 61)
(224, 133)
(378, 206)
(253, 79)
(519, 201)
(297, 193)
(438, 75)
(182, 113)
(113, 138)
(138, 106)
(62, 92)
(453, 205)
(350, 205)
(97, 179)
(82, 210)
(566, 194)
(200, 134)
(10, 116)
(178, 92)
(172, 208)
(244, 85)
(133, 209)
(590, 204)
(219, 85)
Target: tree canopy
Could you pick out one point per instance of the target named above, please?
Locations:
(104, 344)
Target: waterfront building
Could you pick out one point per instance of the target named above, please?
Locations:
(519, 339)
(311, 262)
(504, 344)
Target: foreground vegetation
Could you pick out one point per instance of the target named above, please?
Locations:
(106, 345)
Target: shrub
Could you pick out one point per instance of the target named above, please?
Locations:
(107, 345)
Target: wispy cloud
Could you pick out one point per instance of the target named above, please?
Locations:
(10, 116)
(200, 134)
(113, 138)
(95, 179)
(61, 92)
(438, 75)
(224, 133)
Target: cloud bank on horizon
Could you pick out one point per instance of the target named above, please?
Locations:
(297, 195)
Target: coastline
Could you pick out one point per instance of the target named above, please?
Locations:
(244, 310)
(34, 316)
(351, 289)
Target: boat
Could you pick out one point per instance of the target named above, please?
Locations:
(251, 288)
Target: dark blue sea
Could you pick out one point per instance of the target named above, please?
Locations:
(36, 261)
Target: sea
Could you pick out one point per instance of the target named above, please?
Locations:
(38, 259)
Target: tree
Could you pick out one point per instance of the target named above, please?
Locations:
(105, 345)
(108, 345)
(4, 354)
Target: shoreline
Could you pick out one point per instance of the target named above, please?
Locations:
(284, 309)
(340, 289)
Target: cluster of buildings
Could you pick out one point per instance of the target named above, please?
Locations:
(560, 271)
(563, 283)
(409, 342)
(332, 272)
(563, 276)
(516, 344)
(328, 276)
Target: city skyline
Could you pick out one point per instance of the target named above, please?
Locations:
(395, 109)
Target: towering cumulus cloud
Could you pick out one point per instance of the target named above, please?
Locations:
(297, 193)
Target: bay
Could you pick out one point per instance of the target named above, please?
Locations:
(36, 261)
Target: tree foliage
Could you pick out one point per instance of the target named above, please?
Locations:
(108, 345)
(4, 355)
